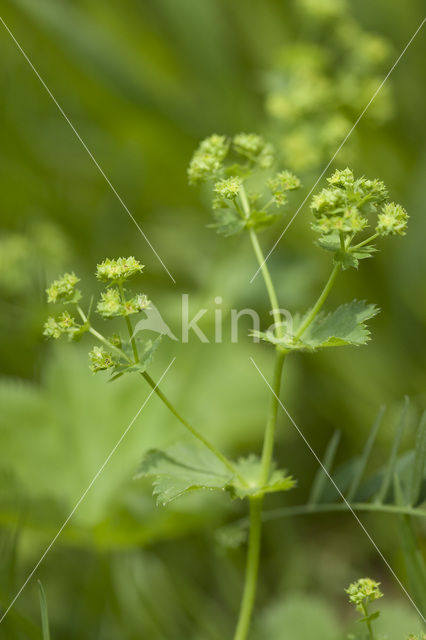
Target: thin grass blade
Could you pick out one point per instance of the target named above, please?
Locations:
(419, 462)
(44, 612)
(390, 468)
(362, 463)
(321, 476)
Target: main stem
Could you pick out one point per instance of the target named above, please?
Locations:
(253, 552)
(252, 569)
(369, 627)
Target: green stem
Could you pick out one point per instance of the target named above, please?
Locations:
(165, 401)
(364, 242)
(269, 437)
(252, 569)
(263, 266)
(268, 282)
(129, 326)
(190, 428)
(367, 621)
(319, 303)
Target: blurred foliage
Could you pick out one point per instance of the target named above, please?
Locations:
(142, 82)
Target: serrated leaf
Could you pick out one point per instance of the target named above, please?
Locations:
(345, 259)
(249, 470)
(182, 468)
(228, 222)
(344, 326)
(261, 219)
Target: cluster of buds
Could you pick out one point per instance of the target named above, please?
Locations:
(63, 289)
(119, 270)
(362, 592)
(64, 324)
(341, 210)
(111, 304)
(233, 166)
(100, 360)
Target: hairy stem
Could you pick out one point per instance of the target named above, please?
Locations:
(319, 303)
(252, 569)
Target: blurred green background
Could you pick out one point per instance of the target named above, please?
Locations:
(142, 81)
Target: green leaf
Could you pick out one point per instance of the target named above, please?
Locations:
(321, 477)
(146, 356)
(419, 462)
(344, 326)
(261, 219)
(249, 470)
(182, 468)
(44, 612)
(345, 259)
(228, 222)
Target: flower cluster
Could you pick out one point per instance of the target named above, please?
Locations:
(280, 184)
(100, 360)
(207, 159)
(65, 324)
(112, 305)
(362, 592)
(63, 289)
(342, 210)
(233, 166)
(343, 206)
(392, 220)
(119, 270)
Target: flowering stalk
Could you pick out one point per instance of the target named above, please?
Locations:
(341, 211)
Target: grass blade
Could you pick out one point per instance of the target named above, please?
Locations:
(419, 462)
(390, 468)
(44, 612)
(414, 562)
(362, 463)
(321, 476)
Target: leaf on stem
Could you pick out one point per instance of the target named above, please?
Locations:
(249, 470)
(146, 354)
(183, 468)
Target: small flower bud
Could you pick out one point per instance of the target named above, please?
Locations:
(109, 305)
(51, 328)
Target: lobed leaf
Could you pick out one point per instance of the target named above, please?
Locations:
(344, 326)
(249, 470)
(183, 468)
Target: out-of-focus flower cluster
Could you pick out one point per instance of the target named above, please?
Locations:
(319, 85)
(246, 192)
